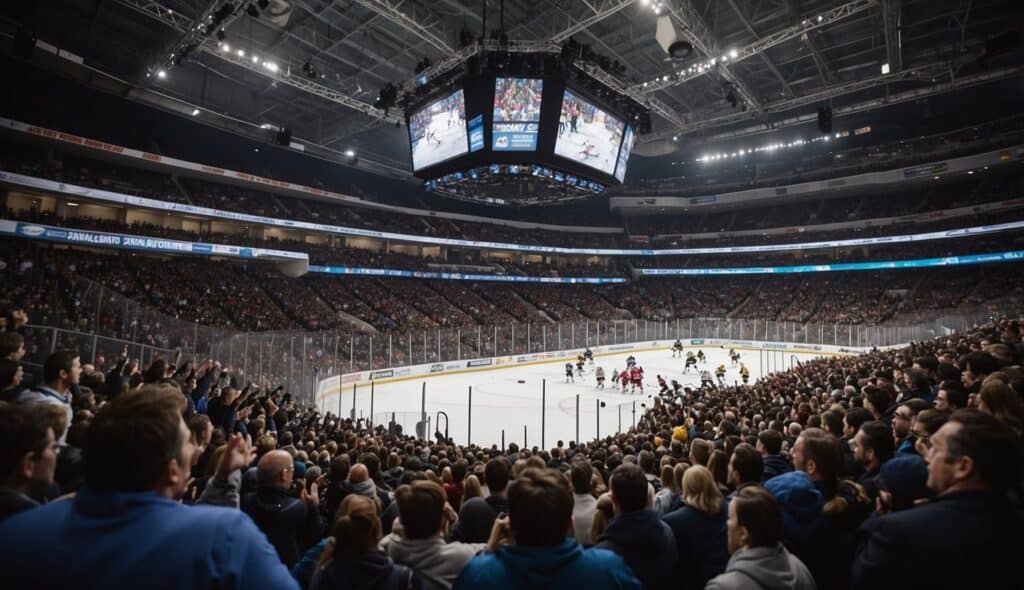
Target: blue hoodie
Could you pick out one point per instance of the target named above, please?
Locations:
(801, 503)
(136, 540)
(566, 565)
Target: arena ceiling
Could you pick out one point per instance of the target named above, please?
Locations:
(784, 58)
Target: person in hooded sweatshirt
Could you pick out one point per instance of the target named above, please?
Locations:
(759, 559)
(417, 540)
(636, 533)
(532, 547)
(353, 560)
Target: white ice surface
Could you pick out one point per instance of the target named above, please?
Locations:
(500, 401)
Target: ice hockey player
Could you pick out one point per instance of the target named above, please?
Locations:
(744, 373)
(677, 389)
(636, 378)
(720, 375)
(663, 386)
(691, 361)
(624, 378)
(677, 348)
(630, 361)
(599, 374)
(588, 355)
(705, 379)
(701, 357)
(579, 366)
(735, 356)
(568, 373)
(615, 377)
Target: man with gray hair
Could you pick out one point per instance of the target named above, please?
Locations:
(287, 521)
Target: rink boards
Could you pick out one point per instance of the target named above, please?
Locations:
(331, 386)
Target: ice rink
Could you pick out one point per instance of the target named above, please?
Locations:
(510, 398)
(450, 131)
(605, 145)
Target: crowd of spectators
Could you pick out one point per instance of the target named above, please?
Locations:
(895, 468)
(663, 231)
(161, 300)
(816, 162)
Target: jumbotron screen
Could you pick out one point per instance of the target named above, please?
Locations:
(516, 114)
(437, 132)
(627, 147)
(587, 134)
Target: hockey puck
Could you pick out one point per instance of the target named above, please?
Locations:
(521, 381)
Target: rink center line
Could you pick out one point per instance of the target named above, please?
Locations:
(331, 392)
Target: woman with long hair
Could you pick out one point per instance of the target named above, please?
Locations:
(718, 465)
(602, 516)
(668, 492)
(700, 529)
(1000, 400)
(352, 560)
(472, 488)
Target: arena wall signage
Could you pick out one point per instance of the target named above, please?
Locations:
(458, 276)
(136, 201)
(34, 231)
(1011, 256)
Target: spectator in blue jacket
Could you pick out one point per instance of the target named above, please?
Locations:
(532, 548)
(126, 528)
(636, 533)
(700, 529)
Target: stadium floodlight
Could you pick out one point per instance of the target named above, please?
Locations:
(733, 54)
(241, 53)
(195, 112)
(350, 152)
(885, 69)
(161, 74)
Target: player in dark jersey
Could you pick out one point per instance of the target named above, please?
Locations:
(691, 361)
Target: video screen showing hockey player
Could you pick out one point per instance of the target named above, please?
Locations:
(438, 131)
(587, 134)
(516, 114)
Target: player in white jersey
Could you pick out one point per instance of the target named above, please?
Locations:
(599, 375)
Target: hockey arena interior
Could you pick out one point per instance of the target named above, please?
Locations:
(338, 294)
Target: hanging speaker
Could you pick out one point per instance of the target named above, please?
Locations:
(284, 136)
(24, 44)
(825, 119)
